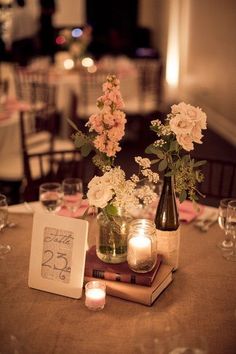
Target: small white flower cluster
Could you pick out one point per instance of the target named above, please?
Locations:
(113, 188)
(162, 129)
(159, 143)
(146, 194)
(145, 165)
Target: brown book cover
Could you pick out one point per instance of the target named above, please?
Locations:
(137, 293)
(95, 268)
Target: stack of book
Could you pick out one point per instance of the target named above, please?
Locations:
(122, 282)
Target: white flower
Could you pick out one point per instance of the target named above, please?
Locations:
(99, 195)
(181, 124)
(187, 122)
(143, 162)
(185, 141)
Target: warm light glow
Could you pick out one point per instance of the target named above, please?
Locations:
(68, 64)
(172, 64)
(87, 62)
(92, 69)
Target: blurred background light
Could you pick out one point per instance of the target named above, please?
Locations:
(60, 40)
(68, 64)
(76, 32)
(87, 62)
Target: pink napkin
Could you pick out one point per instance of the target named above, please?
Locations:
(187, 211)
(80, 212)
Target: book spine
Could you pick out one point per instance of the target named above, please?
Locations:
(125, 278)
(112, 290)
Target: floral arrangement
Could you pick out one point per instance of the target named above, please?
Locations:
(112, 191)
(181, 129)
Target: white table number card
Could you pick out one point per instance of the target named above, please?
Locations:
(57, 257)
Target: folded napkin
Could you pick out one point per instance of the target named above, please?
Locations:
(78, 213)
(187, 211)
(209, 213)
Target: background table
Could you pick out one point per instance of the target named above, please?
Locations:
(202, 298)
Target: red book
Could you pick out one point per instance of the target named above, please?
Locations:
(95, 268)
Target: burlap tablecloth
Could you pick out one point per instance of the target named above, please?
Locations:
(201, 301)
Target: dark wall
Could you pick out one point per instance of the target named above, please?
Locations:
(114, 24)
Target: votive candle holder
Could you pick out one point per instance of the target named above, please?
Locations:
(95, 295)
(142, 246)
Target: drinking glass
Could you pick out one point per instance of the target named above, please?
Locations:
(4, 249)
(222, 210)
(231, 229)
(72, 194)
(50, 196)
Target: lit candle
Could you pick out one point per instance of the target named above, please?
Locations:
(139, 249)
(95, 294)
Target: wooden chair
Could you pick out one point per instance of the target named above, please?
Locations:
(146, 105)
(90, 88)
(35, 87)
(54, 166)
(149, 85)
(219, 181)
(38, 136)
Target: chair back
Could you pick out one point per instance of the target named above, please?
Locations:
(34, 87)
(90, 90)
(54, 166)
(149, 85)
(219, 181)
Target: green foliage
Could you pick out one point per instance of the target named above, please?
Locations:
(110, 210)
(183, 168)
(84, 143)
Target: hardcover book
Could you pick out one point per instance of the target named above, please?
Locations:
(145, 295)
(95, 268)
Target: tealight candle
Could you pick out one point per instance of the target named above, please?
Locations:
(139, 249)
(95, 294)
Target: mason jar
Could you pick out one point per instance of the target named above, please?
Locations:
(142, 246)
(111, 240)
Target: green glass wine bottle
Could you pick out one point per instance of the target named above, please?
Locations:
(167, 224)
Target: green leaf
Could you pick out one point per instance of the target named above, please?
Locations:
(86, 149)
(182, 196)
(154, 128)
(160, 154)
(79, 141)
(72, 124)
(186, 158)
(162, 165)
(173, 146)
(154, 161)
(111, 210)
(177, 164)
(200, 163)
(170, 173)
(149, 149)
